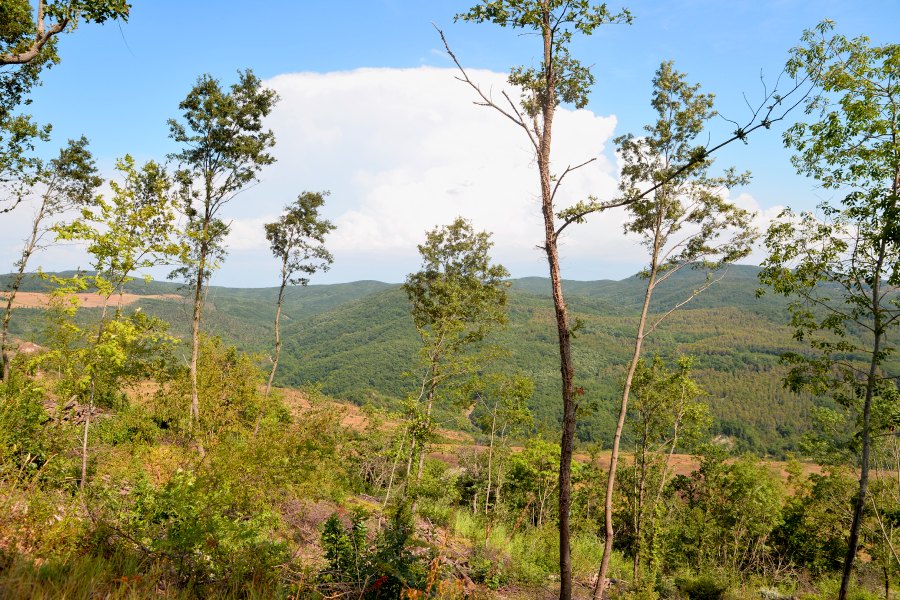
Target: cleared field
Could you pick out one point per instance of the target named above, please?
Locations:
(41, 300)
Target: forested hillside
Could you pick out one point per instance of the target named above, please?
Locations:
(357, 341)
(701, 430)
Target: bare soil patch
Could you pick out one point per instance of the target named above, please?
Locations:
(42, 300)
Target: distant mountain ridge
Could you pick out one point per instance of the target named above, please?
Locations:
(358, 342)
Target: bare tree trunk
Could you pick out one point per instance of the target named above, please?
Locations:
(195, 332)
(566, 363)
(855, 526)
(387, 495)
(277, 340)
(27, 251)
(277, 345)
(84, 441)
(600, 585)
(490, 466)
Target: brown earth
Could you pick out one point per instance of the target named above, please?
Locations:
(41, 300)
(452, 442)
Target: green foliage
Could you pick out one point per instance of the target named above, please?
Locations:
(841, 268)
(196, 525)
(384, 569)
(704, 587)
(27, 47)
(345, 548)
(533, 476)
(223, 147)
(685, 221)
(666, 415)
(357, 341)
(728, 516)
(457, 298)
(568, 80)
(297, 239)
(228, 389)
(816, 520)
(437, 492)
(30, 449)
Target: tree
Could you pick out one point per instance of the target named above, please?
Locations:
(684, 223)
(224, 146)
(130, 231)
(69, 180)
(842, 267)
(297, 239)
(508, 414)
(24, 38)
(666, 415)
(26, 48)
(728, 513)
(561, 78)
(457, 298)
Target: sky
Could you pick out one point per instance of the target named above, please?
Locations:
(370, 110)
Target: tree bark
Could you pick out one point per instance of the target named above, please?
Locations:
(277, 340)
(27, 251)
(199, 285)
(195, 346)
(277, 344)
(42, 36)
(564, 334)
(600, 585)
(856, 525)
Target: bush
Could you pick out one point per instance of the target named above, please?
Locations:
(381, 570)
(29, 449)
(200, 531)
(704, 587)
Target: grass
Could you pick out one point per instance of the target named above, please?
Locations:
(530, 556)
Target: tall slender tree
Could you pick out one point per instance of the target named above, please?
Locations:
(297, 240)
(561, 78)
(130, 231)
(842, 266)
(27, 46)
(69, 181)
(457, 298)
(224, 146)
(684, 223)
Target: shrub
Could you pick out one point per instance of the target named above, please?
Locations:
(704, 587)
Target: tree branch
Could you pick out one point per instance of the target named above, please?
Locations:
(515, 116)
(42, 36)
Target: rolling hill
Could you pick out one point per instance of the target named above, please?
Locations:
(358, 342)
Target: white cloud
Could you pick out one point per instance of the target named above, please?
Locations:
(248, 234)
(405, 150)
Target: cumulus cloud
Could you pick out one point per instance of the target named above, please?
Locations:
(403, 151)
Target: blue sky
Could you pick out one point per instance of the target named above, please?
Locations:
(119, 84)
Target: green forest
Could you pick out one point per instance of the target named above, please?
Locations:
(704, 429)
